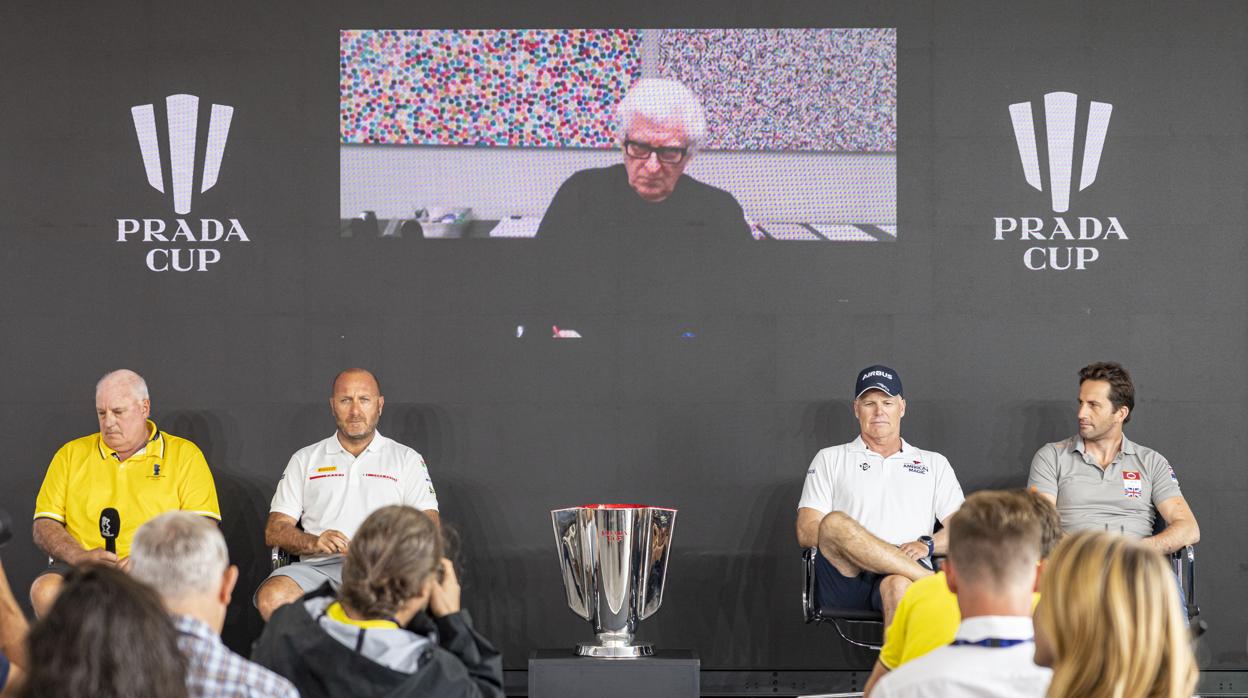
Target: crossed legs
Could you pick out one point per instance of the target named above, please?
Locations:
(851, 549)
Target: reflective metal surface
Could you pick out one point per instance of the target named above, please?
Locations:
(614, 563)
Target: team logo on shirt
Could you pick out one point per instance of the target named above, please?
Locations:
(155, 472)
(917, 467)
(1132, 484)
(1172, 475)
(864, 465)
(383, 476)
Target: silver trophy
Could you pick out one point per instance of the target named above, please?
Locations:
(614, 563)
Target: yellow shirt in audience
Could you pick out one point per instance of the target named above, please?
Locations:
(927, 618)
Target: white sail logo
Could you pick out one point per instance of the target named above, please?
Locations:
(1060, 110)
(182, 115)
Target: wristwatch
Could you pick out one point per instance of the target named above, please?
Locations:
(931, 544)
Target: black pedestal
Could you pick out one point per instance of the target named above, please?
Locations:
(560, 674)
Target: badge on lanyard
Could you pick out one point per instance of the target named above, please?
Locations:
(1132, 484)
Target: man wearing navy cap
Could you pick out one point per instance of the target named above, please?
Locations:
(870, 505)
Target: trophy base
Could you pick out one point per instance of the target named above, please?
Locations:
(614, 650)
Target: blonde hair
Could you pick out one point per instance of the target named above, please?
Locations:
(1110, 609)
(998, 536)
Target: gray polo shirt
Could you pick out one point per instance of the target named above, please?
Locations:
(1120, 497)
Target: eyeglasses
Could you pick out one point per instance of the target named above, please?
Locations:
(642, 151)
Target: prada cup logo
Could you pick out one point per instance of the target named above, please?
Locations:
(182, 113)
(1059, 121)
(181, 244)
(1060, 243)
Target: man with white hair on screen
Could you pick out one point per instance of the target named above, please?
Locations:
(660, 125)
(183, 557)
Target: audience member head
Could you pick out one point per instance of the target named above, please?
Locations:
(183, 556)
(106, 636)
(660, 124)
(122, 405)
(996, 540)
(392, 559)
(1109, 621)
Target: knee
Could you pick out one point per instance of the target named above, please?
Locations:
(834, 524)
(273, 594)
(894, 587)
(43, 592)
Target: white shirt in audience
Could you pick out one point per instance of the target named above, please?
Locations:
(971, 670)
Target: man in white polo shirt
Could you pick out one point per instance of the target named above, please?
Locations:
(870, 505)
(333, 485)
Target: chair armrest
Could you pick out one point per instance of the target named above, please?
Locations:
(1183, 561)
(279, 558)
(810, 612)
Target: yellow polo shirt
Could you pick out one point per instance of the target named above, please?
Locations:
(927, 618)
(169, 473)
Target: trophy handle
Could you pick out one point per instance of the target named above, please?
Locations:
(575, 565)
(661, 524)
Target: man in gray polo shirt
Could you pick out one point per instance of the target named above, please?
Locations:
(1099, 479)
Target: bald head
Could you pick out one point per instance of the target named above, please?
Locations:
(356, 404)
(355, 374)
(123, 378)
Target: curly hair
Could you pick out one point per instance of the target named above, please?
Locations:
(106, 636)
(392, 554)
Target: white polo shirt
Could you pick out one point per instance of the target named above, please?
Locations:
(898, 498)
(970, 671)
(328, 488)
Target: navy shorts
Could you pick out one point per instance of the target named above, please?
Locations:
(833, 589)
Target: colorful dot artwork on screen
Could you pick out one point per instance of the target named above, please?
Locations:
(763, 89)
(534, 88)
(790, 89)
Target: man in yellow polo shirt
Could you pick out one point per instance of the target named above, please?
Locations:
(928, 616)
(131, 467)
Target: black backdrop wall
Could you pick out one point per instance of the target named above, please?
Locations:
(239, 357)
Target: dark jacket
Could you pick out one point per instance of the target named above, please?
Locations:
(463, 663)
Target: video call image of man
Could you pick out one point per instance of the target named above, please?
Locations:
(100, 488)
(870, 505)
(331, 486)
(660, 125)
(1099, 479)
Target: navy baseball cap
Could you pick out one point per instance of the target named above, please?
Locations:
(877, 377)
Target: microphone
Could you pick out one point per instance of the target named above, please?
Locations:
(110, 526)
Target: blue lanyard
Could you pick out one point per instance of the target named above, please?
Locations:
(992, 642)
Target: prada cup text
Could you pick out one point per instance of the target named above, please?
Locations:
(1068, 252)
(180, 230)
